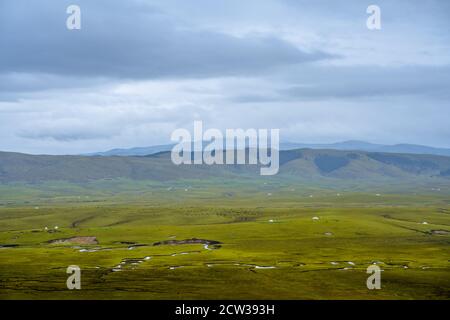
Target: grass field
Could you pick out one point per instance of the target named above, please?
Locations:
(271, 247)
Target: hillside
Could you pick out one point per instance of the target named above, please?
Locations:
(304, 164)
(345, 145)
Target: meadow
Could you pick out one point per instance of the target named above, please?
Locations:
(278, 242)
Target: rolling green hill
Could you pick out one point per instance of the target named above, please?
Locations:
(345, 145)
(309, 232)
(304, 164)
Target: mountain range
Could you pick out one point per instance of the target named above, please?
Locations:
(352, 145)
(304, 165)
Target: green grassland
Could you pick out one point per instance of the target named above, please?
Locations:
(266, 226)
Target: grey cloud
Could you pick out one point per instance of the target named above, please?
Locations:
(344, 82)
(353, 82)
(65, 136)
(67, 130)
(18, 86)
(126, 79)
(131, 41)
(417, 10)
(106, 116)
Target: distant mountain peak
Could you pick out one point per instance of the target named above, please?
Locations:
(357, 145)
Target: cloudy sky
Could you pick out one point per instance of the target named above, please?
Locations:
(139, 69)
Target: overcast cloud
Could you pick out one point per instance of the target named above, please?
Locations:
(139, 69)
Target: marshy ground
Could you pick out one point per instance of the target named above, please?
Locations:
(295, 251)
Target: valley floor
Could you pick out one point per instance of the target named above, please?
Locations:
(296, 252)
